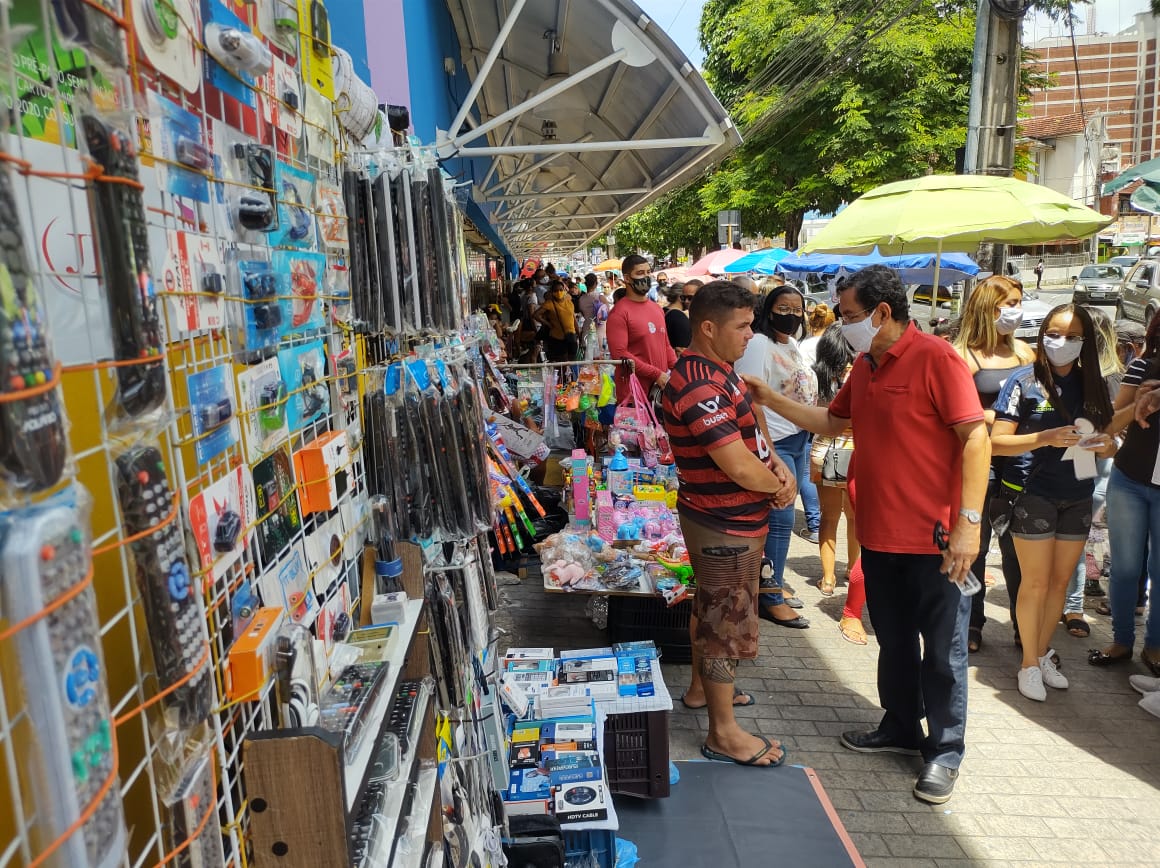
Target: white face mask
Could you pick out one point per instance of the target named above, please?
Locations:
(1010, 318)
(861, 334)
(1060, 351)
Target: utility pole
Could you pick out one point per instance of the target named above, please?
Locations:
(994, 105)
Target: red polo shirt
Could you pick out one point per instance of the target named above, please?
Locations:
(907, 470)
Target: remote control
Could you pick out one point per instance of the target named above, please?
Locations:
(402, 710)
(194, 801)
(363, 826)
(121, 233)
(345, 705)
(45, 554)
(168, 593)
(32, 438)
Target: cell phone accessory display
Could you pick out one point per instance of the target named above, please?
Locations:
(238, 50)
(431, 313)
(121, 233)
(197, 804)
(345, 706)
(295, 189)
(364, 257)
(404, 718)
(258, 317)
(93, 26)
(46, 556)
(303, 371)
(169, 595)
(303, 273)
(33, 443)
(297, 678)
(262, 400)
(211, 408)
(276, 502)
(386, 242)
(448, 303)
(166, 30)
(314, 49)
(255, 203)
(220, 519)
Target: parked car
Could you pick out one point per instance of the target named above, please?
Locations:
(945, 293)
(1034, 312)
(1125, 261)
(1098, 284)
(1140, 293)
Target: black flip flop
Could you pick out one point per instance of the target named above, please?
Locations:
(974, 638)
(1076, 626)
(737, 691)
(710, 754)
(1097, 657)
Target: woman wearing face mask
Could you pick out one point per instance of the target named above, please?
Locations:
(1052, 420)
(987, 343)
(773, 355)
(558, 316)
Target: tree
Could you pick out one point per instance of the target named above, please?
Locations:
(676, 220)
(830, 105)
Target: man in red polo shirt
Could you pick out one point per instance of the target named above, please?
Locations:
(729, 475)
(922, 458)
(636, 331)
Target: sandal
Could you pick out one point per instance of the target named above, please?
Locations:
(1099, 657)
(1076, 626)
(755, 760)
(1151, 658)
(853, 631)
(827, 586)
(1103, 609)
(974, 639)
(737, 692)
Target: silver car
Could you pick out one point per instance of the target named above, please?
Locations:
(1098, 285)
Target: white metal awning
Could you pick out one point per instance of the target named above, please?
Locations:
(586, 111)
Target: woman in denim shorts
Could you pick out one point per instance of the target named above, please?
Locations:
(1052, 417)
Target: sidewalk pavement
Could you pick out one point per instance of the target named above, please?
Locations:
(1071, 781)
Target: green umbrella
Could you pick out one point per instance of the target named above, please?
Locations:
(954, 212)
(1146, 197)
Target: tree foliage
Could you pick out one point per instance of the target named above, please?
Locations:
(830, 104)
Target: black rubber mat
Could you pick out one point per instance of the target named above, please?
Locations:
(726, 816)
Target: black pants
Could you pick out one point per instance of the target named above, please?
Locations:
(909, 598)
(1011, 572)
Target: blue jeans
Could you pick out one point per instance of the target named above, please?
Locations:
(908, 599)
(1074, 604)
(1133, 529)
(794, 450)
(809, 492)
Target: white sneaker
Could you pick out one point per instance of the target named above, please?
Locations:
(1151, 703)
(1031, 683)
(1052, 677)
(1144, 683)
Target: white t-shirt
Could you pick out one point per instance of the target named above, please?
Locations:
(785, 370)
(809, 348)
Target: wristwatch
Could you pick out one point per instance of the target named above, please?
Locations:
(971, 515)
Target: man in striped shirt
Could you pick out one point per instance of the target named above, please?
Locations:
(729, 476)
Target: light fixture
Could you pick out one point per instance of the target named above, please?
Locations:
(571, 101)
(548, 130)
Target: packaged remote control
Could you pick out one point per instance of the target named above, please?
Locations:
(346, 705)
(196, 799)
(121, 233)
(45, 555)
(169, 596)
(33, 443)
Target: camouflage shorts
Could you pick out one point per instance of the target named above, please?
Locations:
(725, 604)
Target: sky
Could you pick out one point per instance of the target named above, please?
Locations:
(679, 19)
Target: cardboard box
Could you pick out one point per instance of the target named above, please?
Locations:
(321, 468)
(252, 654)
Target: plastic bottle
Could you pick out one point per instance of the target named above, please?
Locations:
(619, 476)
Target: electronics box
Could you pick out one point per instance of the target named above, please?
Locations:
(252, 655)
(321, 467)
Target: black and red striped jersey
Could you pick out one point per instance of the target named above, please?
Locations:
(706, 406)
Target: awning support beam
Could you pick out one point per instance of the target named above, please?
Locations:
(485, 69)
(706, 141)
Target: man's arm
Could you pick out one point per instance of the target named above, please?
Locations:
(1147, 401)
(788, 492)
(746, 469)
(816, 419)
(965, 538)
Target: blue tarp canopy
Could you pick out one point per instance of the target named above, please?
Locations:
(911, 267)
(761, 261)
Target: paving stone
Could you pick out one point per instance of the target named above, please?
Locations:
(912, 846)
(869, 845)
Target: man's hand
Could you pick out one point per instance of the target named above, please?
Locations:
(788, 491)
(1147, 401)
(663, 379)
(759, 390)
(962, 550)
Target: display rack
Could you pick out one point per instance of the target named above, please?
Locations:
(184, 774)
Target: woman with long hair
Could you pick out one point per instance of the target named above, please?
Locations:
(558, 316)
(1133, 519)
(773, 356)
(834, 359)
(1052, 421)
(817, 321)
(986, 341)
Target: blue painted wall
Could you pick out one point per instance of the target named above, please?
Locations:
(348, 30)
